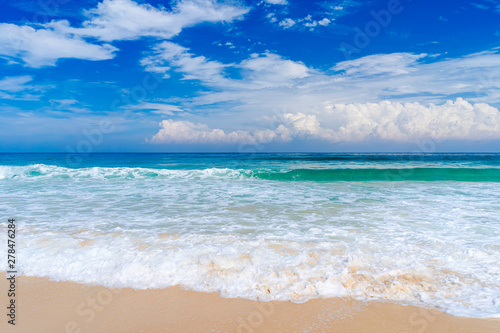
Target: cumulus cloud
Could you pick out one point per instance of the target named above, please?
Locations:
(43, 47)
(261, 90)
(395, 121)
(311, 24)
(300, 23)
(187, 132)
(324, 100)
(383, 121)
(287, 23)
(324, 22)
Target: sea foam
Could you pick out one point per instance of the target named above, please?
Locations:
(238, 232)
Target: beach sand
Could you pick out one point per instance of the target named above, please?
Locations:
(65, 307)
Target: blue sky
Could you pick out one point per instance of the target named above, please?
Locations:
(249, 76)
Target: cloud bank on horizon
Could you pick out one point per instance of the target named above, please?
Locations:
(206, 74)
(355, 123)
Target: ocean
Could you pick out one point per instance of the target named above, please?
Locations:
(421, 229)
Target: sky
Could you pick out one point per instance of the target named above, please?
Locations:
(249, 76)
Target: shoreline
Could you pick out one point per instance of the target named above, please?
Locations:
(66, 307)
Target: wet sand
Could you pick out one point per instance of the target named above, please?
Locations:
(65, 307)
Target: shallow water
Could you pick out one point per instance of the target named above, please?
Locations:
(419, 229)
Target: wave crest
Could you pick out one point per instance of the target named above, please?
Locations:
(318, 175)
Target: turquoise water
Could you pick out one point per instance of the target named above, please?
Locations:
(416, 229)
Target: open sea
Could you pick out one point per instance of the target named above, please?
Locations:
(409, 228)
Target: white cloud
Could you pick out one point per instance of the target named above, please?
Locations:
(399, 77)
(259, 71)
(193, 67)
(272, 17)
(187, 132)
(158, 108)
(111, 20)
(473, 76)
(62, 106)
(277, 2)
(311, 21)
(311, 24)
(287, 23)
(15, 83)
(64, 102)
(324, 22)
(345, 105)
(268, 83)
(383, 121)
(271, 70)
(299, 23)
(127, 20)
(18, 88)
(43, 47)
(393, 121)
(395, 63)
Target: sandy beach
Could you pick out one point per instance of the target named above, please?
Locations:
(57, 307)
